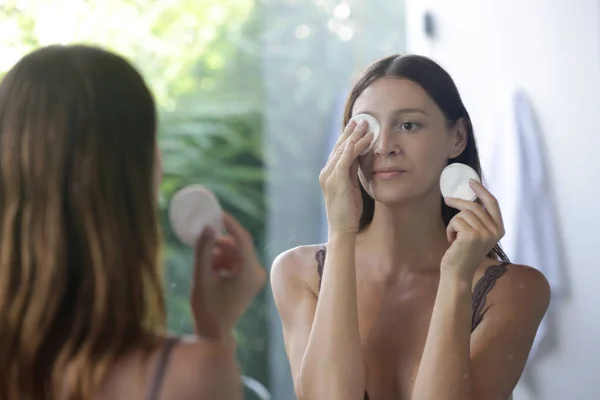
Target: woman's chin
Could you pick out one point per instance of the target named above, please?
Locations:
(394, 197)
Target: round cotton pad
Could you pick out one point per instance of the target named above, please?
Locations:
(374, 127)
(191, 210)
(454, 181)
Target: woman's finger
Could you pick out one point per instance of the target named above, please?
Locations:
(456, 226)
(474, 222)
(225, 260)
(490, 203)
(362, 144)
(346, 160)
(203, 255)
(331, 163)
(346, 154)
(237, 231)
(356, 143)
(475, 208)
(359, 131)
(350, 127)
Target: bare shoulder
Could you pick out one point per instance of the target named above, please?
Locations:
(522, 289)
(202, 369)
(297, 266)
(525, 283)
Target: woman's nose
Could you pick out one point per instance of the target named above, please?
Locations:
(387, 145)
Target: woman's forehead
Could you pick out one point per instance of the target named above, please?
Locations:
(386, 95)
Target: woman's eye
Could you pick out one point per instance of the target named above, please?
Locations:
(408, 126)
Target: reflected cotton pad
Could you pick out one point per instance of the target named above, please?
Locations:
(454, 181)
(374, 127)
(191, 210)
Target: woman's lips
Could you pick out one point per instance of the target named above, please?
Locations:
(387, 174)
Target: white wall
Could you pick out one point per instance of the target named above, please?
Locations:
(551, 48)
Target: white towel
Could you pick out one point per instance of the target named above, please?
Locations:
(515, 172)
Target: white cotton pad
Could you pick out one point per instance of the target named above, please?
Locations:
(374, 127)
(191, 210)
(454, 181)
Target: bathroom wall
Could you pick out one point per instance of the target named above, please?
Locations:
(551, 49)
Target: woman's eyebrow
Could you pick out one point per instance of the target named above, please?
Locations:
(399, 111)
(411, 111)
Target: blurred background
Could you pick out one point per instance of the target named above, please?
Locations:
(250, 95)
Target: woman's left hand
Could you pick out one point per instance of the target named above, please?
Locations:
(472, 233)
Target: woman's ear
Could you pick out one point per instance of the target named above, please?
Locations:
(459, 138)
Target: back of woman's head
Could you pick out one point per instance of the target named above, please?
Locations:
(440, 87)
(78, 232)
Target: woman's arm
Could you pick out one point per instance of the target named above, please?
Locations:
(203, 369)
(488, 363)
(445, 369)
(325, 351)
(322, 338)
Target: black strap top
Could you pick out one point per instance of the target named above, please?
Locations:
(161, 367)
(482, 288)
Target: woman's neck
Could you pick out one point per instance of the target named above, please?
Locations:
(406, 236)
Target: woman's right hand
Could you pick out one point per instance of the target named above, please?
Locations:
(227, 277)
(339, 180)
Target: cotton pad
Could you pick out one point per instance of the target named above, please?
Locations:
(192, 209)
(454, 181)
(374, 127)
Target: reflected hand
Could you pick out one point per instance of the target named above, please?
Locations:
(473, 232)
(339, 180)
(227, 277)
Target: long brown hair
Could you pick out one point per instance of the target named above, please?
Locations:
(79, 281)
(441, 88)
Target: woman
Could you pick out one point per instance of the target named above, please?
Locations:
(81, 301)
(402, 306)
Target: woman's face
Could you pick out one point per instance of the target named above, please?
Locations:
(414, 145)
